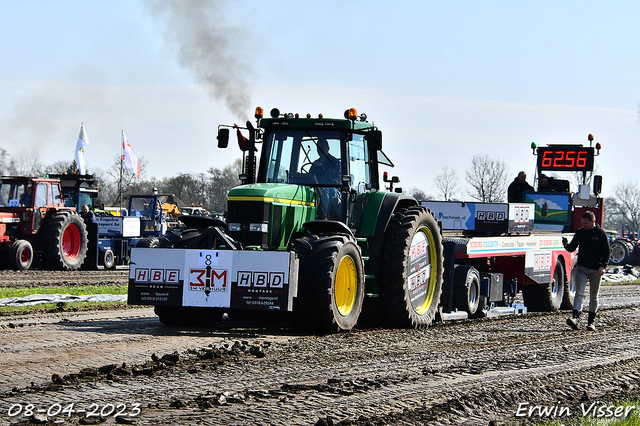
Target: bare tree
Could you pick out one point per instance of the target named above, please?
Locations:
(5, 164)
(419, 194)
(447, 183)
(130, 184)
(220, 182)
(488, 178)
(623, 209)
(27, 162)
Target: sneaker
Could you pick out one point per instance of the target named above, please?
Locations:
(591, 327)
(573, 323)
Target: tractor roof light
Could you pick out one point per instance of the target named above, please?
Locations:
(590, 137)
(320, 116)
(308, 115)
(275, 113)
(351, 114)
(363, 117)
(598, 147)
(259, 113)
(289, 115)
(533, 147)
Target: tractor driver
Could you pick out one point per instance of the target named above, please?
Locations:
(327, 167)
(327, 171)
(25, 199)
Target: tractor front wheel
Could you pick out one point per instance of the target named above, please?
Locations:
(22, 254)
(331, 283)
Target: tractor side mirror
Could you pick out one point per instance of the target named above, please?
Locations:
(597, 184)
(223, 138)
(374, 138)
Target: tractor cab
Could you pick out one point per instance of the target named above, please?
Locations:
(316, 169)
(29, 200)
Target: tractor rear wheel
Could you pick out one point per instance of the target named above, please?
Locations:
(412, 268)
(621, 252)
(64, 241)
(21, 254)
(331, 284)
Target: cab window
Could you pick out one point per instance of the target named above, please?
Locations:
(41, 195)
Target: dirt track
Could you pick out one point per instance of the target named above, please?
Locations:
(468, 372)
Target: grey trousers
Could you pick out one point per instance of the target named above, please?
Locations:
(581, 275)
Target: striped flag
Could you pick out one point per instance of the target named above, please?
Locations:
(131, 162)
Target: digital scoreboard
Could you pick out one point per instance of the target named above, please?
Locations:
(566, 158)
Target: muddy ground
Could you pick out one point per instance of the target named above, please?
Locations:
(480, 372)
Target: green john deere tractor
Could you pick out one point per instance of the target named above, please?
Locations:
(308, 231)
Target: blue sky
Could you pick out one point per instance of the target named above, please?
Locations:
(442, 79)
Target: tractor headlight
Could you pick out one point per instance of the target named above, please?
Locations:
(259, 227)
(234, 227)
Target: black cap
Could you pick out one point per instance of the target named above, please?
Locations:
(543, 177)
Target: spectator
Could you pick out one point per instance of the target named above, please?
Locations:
(87, 215)
(593, 258)
(515, 193)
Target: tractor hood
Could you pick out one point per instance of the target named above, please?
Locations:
(278, 193)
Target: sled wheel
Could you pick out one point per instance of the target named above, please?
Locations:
(466, 290)
(546, 297)
(108, 259)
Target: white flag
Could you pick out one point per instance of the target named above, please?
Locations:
(131, 162)
(82, 142)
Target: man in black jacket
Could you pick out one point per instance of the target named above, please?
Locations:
(517, 188)
(593, 258)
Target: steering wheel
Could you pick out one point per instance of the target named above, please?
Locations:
(306, 167)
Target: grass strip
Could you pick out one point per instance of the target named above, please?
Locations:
(74, 291)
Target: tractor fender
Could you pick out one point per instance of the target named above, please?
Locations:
(332, 226)
(379, 210)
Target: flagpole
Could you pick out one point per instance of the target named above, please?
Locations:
(121, 155)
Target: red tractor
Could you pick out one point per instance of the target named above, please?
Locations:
(36, 226)
(625, 249)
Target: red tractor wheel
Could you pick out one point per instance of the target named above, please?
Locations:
(22, 254)
(64, 240)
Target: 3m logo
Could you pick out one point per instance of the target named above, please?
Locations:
(249, 279)
(487, 215)
(207, 279)
(156, 276)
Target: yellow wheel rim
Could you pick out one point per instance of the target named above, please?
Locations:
(346, 286)
(425, 275)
